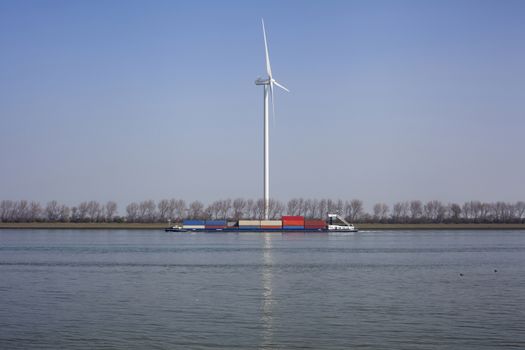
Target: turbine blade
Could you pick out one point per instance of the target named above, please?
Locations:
(268, 68)
(273, 103)
(282, 87)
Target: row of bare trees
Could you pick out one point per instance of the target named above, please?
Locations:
(53, 211)
(437, 212)
(177, 209)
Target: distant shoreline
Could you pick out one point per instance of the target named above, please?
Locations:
(159, 226)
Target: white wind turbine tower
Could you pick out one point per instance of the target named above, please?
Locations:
(268, 83)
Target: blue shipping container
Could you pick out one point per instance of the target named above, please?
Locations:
(216, 222)
(193, 222)
(293, 227)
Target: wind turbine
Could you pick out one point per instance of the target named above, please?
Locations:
(268, 84)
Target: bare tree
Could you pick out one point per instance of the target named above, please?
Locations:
(74, 214)
(314, 209)
(308, 208)
(466, 211)
(64, 213)
(322, 208)
(356, 206)
(416, 210)
(225, 208)
(132, 211)
(196, 210)
(301, 210)
(259, 209)
(275, 209)
(239, 206)
(163, 207)
(52, 211)
(376, 209)
(179, 211)
(93, 211)
(506, 212)
(83, 209)
(441, 211)
(35, 211)
(381, 212)
(520, 210)
(455, 212)
(477, 211)
(147, 211)
(212, 210)
(219, 209)
(7, 208)
(111, 210)
(250, 212)
(385, 209)
(171, 208)
(293, 206)
(22, 211)
(400, 212)
(484, 211)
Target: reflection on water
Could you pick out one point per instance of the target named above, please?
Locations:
(267, 293)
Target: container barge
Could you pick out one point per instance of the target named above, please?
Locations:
(335, 223)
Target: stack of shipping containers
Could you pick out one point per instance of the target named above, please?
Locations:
(293, 222)
(287, 223)
(271, 225)
(216, 224)
(249, 224)
(314, 224)
(194, 224)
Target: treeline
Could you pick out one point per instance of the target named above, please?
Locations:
(175, 210)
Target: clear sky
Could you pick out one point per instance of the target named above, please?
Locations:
(134, 100)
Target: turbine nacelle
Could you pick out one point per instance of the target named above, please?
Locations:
(261, 81)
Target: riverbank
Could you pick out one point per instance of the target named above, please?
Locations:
(81, 225)
(441, 226)
(158, 226)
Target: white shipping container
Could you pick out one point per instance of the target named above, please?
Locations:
(271, 223)
(193, 227)
(249, 223)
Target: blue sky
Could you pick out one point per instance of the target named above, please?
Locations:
(390, 100)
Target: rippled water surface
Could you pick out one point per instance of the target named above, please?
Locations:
(83, 289)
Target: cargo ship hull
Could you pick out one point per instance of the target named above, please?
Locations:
(258, 230)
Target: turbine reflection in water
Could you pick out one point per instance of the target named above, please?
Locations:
(267, 293)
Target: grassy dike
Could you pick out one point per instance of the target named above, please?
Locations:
(157, 226)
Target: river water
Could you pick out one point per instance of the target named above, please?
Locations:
(133, 289)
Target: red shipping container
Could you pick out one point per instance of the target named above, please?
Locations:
(293, 220)
(314, 222)
(292, 217)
